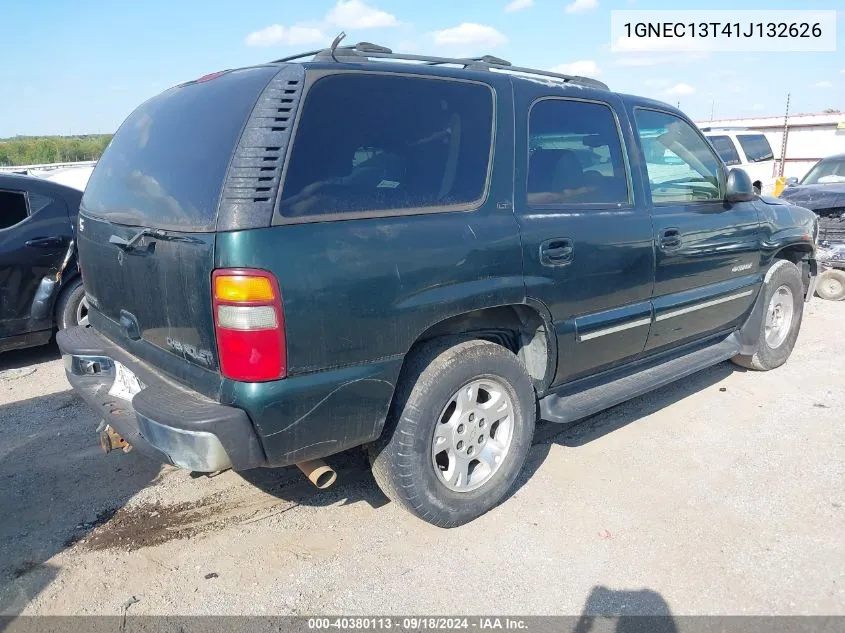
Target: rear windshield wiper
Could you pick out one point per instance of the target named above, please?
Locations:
(158, 234)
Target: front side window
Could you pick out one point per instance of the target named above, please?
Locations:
(726, 149)
(575, 155)
(682, 167)
(369, 143)
(756, 147)
(13, 208)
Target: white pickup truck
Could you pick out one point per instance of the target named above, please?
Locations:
(747, 149)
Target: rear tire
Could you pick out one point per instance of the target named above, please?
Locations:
(72, 308)
(783, 302)
(458, 431)
(831, 285)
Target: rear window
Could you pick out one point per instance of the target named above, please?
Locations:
(166, 164)
(381, 144)
(726, 149)
(756, 147)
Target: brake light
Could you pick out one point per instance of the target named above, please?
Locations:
(250, 324)
(211, 76)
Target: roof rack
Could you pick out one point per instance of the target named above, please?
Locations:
(365, 50)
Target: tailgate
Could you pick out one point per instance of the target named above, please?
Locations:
(157, 293)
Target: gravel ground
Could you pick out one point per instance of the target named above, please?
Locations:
(721, 494)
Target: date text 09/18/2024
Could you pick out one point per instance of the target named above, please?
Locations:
(417, 623)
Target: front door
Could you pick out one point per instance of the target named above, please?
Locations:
(708, 262)
(33, 243)
(587, 239)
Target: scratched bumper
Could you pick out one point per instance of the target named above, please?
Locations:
(164, 421)
(45, 298)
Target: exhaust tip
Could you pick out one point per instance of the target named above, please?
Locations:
(318, 473)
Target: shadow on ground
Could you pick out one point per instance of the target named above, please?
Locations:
(57, 489)
(55, 485)
(597, 426)
(625, 611)
(24, 358)
(355, 482)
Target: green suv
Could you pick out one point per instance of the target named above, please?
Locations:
(418, 255)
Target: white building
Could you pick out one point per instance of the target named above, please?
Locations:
(810, 137)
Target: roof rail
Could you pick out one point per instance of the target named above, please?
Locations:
(365, 50)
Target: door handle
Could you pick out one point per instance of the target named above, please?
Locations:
(670, 239)
(556, 252)
(46, 242)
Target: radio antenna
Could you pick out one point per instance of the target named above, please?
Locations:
(335, 42)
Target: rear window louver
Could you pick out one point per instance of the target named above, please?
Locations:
(252, 182)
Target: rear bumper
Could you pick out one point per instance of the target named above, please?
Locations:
(165, 421)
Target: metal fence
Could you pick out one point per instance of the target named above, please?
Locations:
(46, 167)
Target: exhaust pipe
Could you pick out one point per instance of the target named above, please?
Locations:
(110, 440)
(318, 472)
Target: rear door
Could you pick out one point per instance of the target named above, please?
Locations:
(148, 218)
(34, 238)
(587, 239)
(708, 257)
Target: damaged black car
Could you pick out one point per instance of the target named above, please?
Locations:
(40, 284)
(822, 191)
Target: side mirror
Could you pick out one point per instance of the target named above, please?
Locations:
(739, 187)
(791, 181)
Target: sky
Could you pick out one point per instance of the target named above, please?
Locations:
(81, 66)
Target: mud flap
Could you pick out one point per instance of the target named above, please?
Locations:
(749, 333)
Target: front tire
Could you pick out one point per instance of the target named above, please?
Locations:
(783, 302)
(458, 431)
(831, 285)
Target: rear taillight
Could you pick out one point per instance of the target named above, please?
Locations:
(250, 324)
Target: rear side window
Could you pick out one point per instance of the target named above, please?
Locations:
(756, 147)
(726, 149)
(13, 208)
(575, 155)
(369, 143)
(166, 165)
(38, 202)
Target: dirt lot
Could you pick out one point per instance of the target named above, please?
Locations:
(723, 493)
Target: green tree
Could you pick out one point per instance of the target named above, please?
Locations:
(27, 150)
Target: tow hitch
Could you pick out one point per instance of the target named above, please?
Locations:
(111, 440)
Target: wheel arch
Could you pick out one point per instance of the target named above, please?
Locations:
(800, 254)
(794, 252)
(524, 328)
